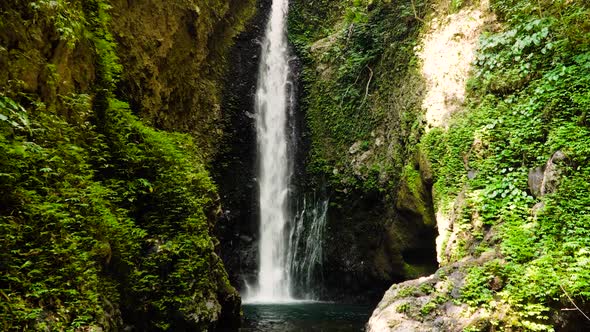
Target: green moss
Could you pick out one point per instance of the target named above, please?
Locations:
(412, 195)
(354, 60)
(174, 72)
(106, 221)
(526, 103)
(428, 308)
(407, 291)
(404, 307)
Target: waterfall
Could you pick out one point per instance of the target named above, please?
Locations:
(307, 236)
(290, 245)
(272, 109)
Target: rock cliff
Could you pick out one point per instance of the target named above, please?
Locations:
(107, 211)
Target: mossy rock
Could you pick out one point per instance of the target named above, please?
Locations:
(414, 198)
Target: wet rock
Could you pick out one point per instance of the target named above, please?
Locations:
(246, 238)
(235, 165)
(370, 245)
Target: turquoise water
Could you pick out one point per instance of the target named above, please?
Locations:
(305, 317)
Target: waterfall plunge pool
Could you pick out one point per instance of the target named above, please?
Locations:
(305, 316)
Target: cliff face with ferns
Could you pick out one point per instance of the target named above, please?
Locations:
(362, 98)
(175, 57)
(508, 170)
(451, 138)
(461, 120)
(109, 115)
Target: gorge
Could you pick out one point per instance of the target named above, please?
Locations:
(275, 165)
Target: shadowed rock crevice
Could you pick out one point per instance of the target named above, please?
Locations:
(235, 170)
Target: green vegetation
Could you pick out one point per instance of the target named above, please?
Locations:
(90, 223)
(105, 221)
(405, 307)
(363, 126)
(175, 58)
(355, 56)
(428, 308)
(529, 98)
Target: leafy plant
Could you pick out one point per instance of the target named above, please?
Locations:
(526, 103)
(103, 218)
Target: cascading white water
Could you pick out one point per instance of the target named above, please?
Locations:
(272, 103)
(307, 236)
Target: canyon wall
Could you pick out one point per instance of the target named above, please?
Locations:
(108, 210)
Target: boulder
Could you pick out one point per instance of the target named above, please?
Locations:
(536, 180)
(553, 173)
(544, 179)
(429, 303)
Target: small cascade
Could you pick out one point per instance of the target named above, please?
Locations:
(306, 256)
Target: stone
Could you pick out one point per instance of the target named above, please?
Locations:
(552, 173)
(544, 179)
(536, 180)
(402, 306)
(355, 147)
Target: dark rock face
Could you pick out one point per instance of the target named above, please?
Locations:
(357, 264)
(374, 240)
(572, 320)
(371, 244)
(235, 171)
